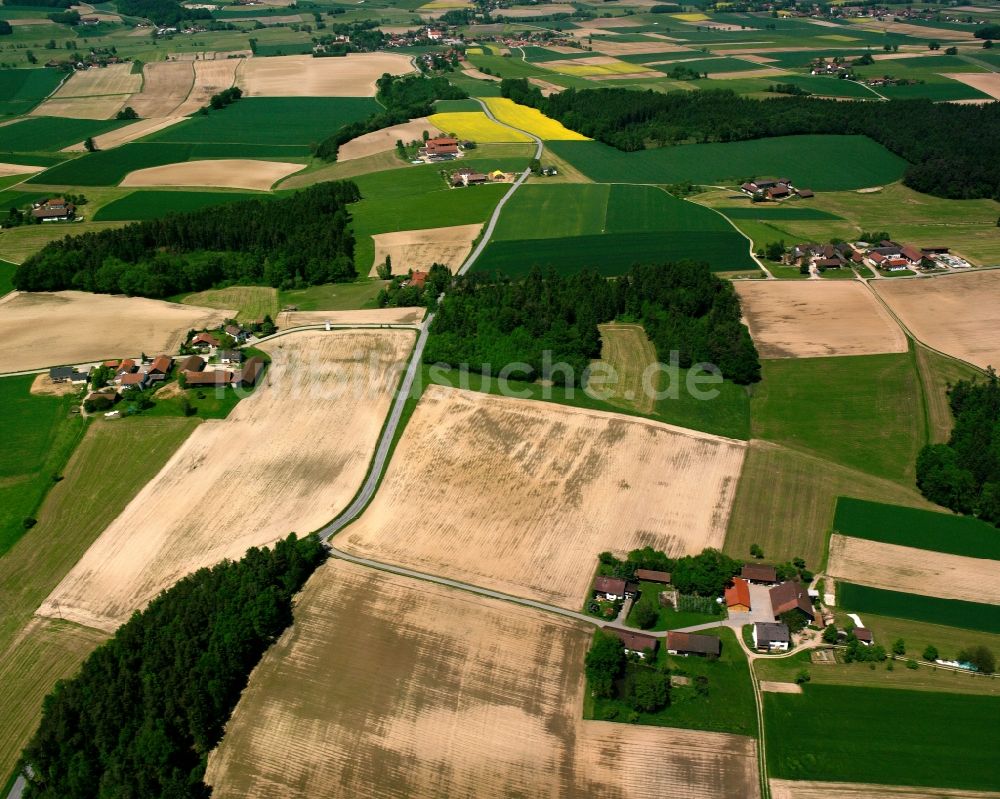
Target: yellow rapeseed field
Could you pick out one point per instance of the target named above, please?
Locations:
(531, 120)
(585, 70)
(692, 17)
(475, 125)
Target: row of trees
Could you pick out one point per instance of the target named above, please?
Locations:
(954, 151)
(964, 474)
(147, 707)
(548, 319)
(405, 97)
(303, 239)
(705, 574)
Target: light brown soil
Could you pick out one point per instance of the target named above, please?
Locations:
(119, 136)
(420, 249)
(956, 314)
(113, 79)
(428, 692)
(478, 74)
(18, 169)
(986, 82)
(780, 687)
(918, 31)
(82, 107)
(43, 386)
(373, 316)
(542, 10)
(81, 327)
(166, 84)
(548, 89)
(385, 139)
(520, 496)
(210, 77)
(811, 318)
(914, 571)
(635, 48)
(758, 59)
(767, 72)
(228, 173)
(288, 458)
(788, 789)
(305, 76)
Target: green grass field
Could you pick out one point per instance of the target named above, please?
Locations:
(152, 204)
(764, 212)
(333, 296)
(39, 435)
(49, 134)
(276, 122)
(825, 163)
(249, 302)
(727, 707)
(930, 609)
(569, 226)
(864, 412)
(785, 502)
(22, 89)
(909, 527)
(885, 736)
(6, 277)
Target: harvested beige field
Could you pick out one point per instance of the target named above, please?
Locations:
(305, 76)
(914, 571)
(766, 72)
(385, 139)
(223, 173)
(548, 89)
(166, 84)
(956, 314)
(81, 107)
(288, 458)
(81, 327)
(120, 136)
(6, 170)
(420, 249)
(521, 496)
(812, 318)
(372, 316)
(780, 687)
(210, 77)
(478, 74)
(112, 79)
(986, 82)
(918, 31)
(789, 789)
(440, 693)
(636, 48)
(542, 10)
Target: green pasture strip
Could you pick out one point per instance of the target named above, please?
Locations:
(22, 89)
(861, 411)
(885, 736)
(917, 607)
(783, 212)
(821, 162)
(910, 527)
(152, 204)
(48, 134)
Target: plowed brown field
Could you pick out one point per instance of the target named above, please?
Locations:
(390, 687)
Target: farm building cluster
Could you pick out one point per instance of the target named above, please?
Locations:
(774, 190)
(442, 148)
(885, 255)
(464, 177)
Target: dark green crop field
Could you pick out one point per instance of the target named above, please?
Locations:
(22, 89)
(782, 212)
(6, 277)
(825, 163)
(916, 607)
(885, 736)
(275, 121)
(48, 134)
(909, 527)
(155, 204)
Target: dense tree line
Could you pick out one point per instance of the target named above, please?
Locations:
(162, 12)
(147, 707)
(705, 574)
(953, 150)
(405, 97)
(489, 323)
(40, 3)
(303, 239)
(964, 474)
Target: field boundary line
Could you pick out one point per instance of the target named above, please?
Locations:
(767, 272)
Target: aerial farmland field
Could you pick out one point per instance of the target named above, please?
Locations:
(813, 318)
(77, 329)
(920, 607)
(297, 463)
(149, 204)
(542, 488)
(941, 747)
(824, 163)
(441, 693)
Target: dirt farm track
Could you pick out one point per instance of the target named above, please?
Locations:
(288, 458)
(519, 496)
(430, 692)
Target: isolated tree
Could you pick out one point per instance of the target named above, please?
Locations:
(756, 551)
(934, 45)
(775, 250)
(930, 653)
(830, 634)
(89, 145)
(899, 647)
(384, 269)
(645, 614)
